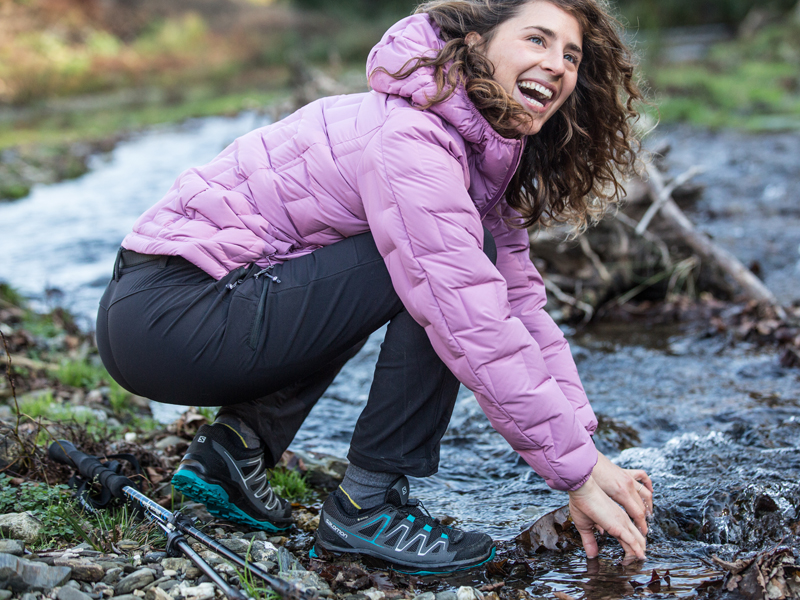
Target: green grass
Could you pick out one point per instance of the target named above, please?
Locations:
(254, 587)
(289, 484)
(63, 521)
(751, 83)
(80, 373)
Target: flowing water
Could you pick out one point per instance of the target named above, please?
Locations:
(716, 424)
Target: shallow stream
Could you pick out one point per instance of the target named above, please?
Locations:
(716, 425)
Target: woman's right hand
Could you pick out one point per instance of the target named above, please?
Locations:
(591, 508)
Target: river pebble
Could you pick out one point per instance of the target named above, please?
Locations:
(70, 593)
(15, 547)
(82, 569)
(134, 581)
(112, 576)
(5, 594)
(176, 564)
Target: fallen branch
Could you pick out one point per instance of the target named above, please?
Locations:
(663, 193)
(562, 296)
(707, 250)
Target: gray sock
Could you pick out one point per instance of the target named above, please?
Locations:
(366, 489)
(249, 437)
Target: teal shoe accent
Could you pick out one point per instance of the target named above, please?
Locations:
(216, 500)
(480, 564)
(313, 552)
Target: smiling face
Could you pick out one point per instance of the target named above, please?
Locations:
(536, 55)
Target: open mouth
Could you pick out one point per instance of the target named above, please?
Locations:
(537, 95)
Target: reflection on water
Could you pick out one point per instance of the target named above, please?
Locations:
(718, 425)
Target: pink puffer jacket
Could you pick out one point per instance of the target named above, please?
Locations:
(422, 181)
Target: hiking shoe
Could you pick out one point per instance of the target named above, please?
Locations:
(401, 532)
(220, 471)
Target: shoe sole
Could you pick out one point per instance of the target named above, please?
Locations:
(217, 501)
(400, 568)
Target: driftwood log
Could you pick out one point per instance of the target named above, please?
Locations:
(651, 247)
(701, 244)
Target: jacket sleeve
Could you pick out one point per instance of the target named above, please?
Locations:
(414, 190)
(526, 294)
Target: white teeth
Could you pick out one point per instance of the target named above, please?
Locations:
(532, 85)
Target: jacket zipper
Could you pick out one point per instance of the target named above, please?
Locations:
(493, 202)
(255, 333)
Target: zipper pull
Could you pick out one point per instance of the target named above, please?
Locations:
(233, 284)
(266, 271)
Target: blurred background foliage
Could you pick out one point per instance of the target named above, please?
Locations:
(710, 62)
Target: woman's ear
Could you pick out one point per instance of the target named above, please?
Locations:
(472, 39)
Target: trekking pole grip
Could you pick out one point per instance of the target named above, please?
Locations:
(89, 467)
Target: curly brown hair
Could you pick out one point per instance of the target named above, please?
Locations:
(572, 170)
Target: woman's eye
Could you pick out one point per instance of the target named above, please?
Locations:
(571, 58)
(537, 40)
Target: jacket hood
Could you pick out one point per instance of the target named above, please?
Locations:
(408, 39)
(494, 157)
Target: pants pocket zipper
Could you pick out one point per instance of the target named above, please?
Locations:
(262, 306)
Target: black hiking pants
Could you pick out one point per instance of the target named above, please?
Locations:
(266, 347)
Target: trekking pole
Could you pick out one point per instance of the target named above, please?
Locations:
(174, 525)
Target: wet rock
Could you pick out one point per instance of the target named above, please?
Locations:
(82, 569)
(428, 596)
(22, 526)
(374, 594)
(447, 595)
(20, 575)
(70, 593)
(5, 594)
(15, 547)
(134, 581)
(307, 580)
(30, 596)
(552, 531)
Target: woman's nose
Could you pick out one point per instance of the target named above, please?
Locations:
(554, 62)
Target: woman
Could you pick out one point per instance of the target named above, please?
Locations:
(260, 274)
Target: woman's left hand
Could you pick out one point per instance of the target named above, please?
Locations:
(632, 488)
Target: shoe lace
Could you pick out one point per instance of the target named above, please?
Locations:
(417, 509)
